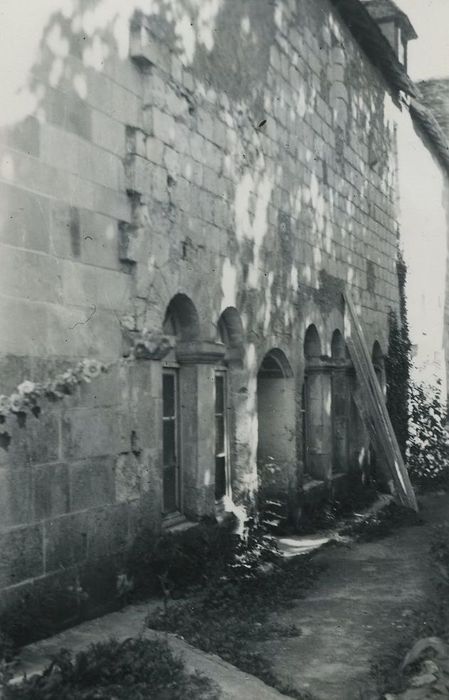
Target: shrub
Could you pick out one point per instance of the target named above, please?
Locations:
(135, 668)
(177, 563)
(428, 445)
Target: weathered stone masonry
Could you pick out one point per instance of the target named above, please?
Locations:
(219, 186)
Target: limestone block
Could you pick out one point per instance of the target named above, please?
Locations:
(127, 477)
(172, 161)
(146, 50)
(163, 126)
(69, 111)
(108, 133)
(23, 136)
(65, 540)
(15, 496)
(107, 530)
(24, 218)
(92, 483)
(154, 150)
(99, 240)
(176, 105)
(33, 441)
(93, 432)
(21, 557)
(50, 490)
(86, 285)
(29, 275)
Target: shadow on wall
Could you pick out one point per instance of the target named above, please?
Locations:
(238, 57)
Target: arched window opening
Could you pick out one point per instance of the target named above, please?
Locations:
(317, 403)
(276, 452)
(341, 403)
(338, 346)
(312, 343)
(180, 321)
(230, 333)
(181, 318)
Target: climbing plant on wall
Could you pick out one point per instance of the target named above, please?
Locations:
(398, 363)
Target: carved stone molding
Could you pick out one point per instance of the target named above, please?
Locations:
(151, 346)
(206, 352)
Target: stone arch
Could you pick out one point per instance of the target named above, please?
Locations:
(181, 318)
(312, 343)
(338, 346)
(230, 328)
(229, 404)
(275, 364)
(317, 402)
(340, 402)
(276, 413)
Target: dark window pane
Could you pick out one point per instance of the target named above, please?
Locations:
(220, 477)
(219, 393)
(168, 394)
(219, 435)
(169, 443)
(170, 490)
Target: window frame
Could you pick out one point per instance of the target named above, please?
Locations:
(222, 372)
(172, 369)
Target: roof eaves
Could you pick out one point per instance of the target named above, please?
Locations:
(376, 46)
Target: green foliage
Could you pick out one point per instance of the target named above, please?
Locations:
(397, 364)
(328, 514)
(180, 560)
(136, 668)
(234, 611)
(176, 563)
(383, 523)
(428, 445)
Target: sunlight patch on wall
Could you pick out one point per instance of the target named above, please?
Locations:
(228, 284)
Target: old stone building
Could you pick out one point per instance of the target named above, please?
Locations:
(185, 196)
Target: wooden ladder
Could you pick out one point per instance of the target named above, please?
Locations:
(370, 402)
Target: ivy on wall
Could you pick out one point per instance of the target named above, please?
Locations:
(398, 362)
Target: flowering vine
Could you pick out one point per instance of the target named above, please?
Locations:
(27, 395)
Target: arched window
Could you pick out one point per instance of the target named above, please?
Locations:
(181, 321)
(341, 403)
(230, 333)
(276, 411)
(317, 402)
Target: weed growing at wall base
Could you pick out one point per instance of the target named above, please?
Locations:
(234, 611)
(136, 668)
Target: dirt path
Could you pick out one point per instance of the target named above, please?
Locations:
(357, 610)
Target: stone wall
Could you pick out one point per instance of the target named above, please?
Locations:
(240, 155)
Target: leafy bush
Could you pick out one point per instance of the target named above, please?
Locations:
(136, 668)
(383, 523)
(328, 514)
(428, 445)
(176, 563)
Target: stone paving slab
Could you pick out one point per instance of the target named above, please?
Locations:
(130, 622)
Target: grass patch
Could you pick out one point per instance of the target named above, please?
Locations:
(136, 668)
(233, 613)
